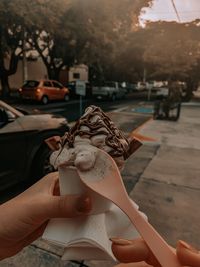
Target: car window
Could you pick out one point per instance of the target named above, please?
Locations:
(11, 116)
(30, 84)
(57, 85)
(47, 84)
(109, 84)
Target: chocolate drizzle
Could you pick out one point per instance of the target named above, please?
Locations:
(98, 123)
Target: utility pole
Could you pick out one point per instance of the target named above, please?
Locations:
(144, 75)
(147, 84)
(24, 61)
(176, 11)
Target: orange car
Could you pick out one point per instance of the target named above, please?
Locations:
(44, 90)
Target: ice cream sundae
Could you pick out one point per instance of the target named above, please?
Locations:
(94, 129)
(78, 149)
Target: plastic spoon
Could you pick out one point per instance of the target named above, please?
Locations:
(105, 179)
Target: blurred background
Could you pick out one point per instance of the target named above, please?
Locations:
(139, 60)
(140, 44)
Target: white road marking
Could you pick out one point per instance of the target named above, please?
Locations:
(120, 109)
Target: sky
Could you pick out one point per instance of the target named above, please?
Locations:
(188, 10)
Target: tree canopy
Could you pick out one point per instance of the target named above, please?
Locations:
(14, 22)
(104, 34)
(173, 48)
(166, 50)
(64, 32)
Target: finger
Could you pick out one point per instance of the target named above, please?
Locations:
(65, 206)
(188, 255)
(133, 251)
(130, 251)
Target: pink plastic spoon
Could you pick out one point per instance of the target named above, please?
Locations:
(106, 180)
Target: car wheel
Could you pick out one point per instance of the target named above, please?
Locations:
(66, 97)
(45, 100)
(41, 164)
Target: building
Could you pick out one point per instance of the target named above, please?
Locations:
(36, 70)
(76, 73)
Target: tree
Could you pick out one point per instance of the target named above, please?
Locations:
(13, 24)
(65, 32)
(88, 32)
(124, 52)
(172, 49)
(10, 36)
(129, 63)
(111, 44)
(166, 50)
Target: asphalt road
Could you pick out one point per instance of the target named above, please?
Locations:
(71, 109)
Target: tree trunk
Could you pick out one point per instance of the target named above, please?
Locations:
(5, 73)
(48, 71)
(57, 74)
(53, 73)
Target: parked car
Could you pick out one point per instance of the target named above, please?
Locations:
(109, 90)
(141, 86)
(24, 155)
(131, 87)
(44, 91)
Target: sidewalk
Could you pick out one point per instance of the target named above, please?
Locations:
(168, 191)
(163, 178)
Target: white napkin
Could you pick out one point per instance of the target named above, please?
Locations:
(87, 237)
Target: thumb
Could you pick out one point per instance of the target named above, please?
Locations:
(187, 255)
(133, 251)
(66, 206)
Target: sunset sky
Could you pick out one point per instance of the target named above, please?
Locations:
(188, 10)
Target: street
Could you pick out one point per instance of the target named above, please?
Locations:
(71, 109)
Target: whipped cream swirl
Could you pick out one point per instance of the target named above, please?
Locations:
(96, 126)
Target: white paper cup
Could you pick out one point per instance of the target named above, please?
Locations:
(71, 184)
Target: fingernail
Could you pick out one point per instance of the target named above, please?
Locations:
(120, 242)
(84, 205)
(187, 246)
